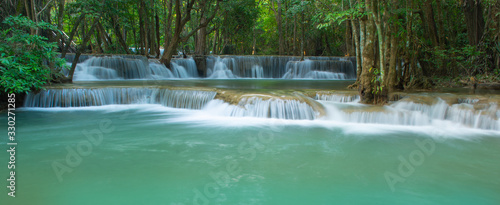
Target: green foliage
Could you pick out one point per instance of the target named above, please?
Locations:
(340, 16)
(465, 60)
(24, 58)
(377, 81)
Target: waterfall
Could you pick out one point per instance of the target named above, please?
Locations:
(220, 70)
(340, 98)
(188, 64)
(386, 116)
(484, 117)
(320, 69)
(406, 112)
(264, 108)
(257, 71)
(91, 68)
(325, 75)
(277, 66)
(100, 68)
(82, 97)
(132, 67)
(179, 71)
(91, 73)
(340, 107)
(159, 71)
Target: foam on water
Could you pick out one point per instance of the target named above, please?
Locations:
(337, 98)
(189, 99)
(220, 71)
(260, 108)
(332, 108)
(320, 69)
(132, 67)
(189, 66)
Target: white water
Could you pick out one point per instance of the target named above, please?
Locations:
(257, 71)
(336, 108)
(159, 71)
(132, 67)
(337, 98)
(325, 75)
(188, 64)
(260, 108)
(280, 67)
(189, 99)
(416, 114)
(220, 71)
(93, 68)
(179, 71)
(323, 70)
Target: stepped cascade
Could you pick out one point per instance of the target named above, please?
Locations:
(341, 107)
(320, 69)
(123, 67)
(264, 108)
(80, 97)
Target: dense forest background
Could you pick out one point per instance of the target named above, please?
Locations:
(398, 44)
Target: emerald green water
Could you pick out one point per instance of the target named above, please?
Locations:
(155, 155)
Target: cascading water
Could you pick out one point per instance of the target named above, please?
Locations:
(132, 67)
(257, 71)
(331, 107)
(484, 117)
(179, 71)
(337, 98)
(91, 73)
(269, 108)
(409, 113)
(278, 66)
(159, 71)
(91, 68)
(220, 70)
(320, 69)
(80, 97)
(188, 64)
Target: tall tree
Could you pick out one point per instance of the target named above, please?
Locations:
(474, 19)
(182, 17)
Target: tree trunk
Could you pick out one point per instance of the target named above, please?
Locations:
(98, 40)
(295, 36)
(280, 30)
(170, 50)
(60, 20)
(362, 36)
(302, 51)
(367, 87)
(72, 35)
(82, 47)
(254, 41)
(441, 32)
(104, 36)
(408, 44)
(392, 76)
(348, 38)
(430, 23)
(143, 25)
(201, 39)
(158, 43)
(358, 52)
(474, 20)
(180, 22)
(379, 24)
(118, 34)
(216, 40)
(167, 24)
